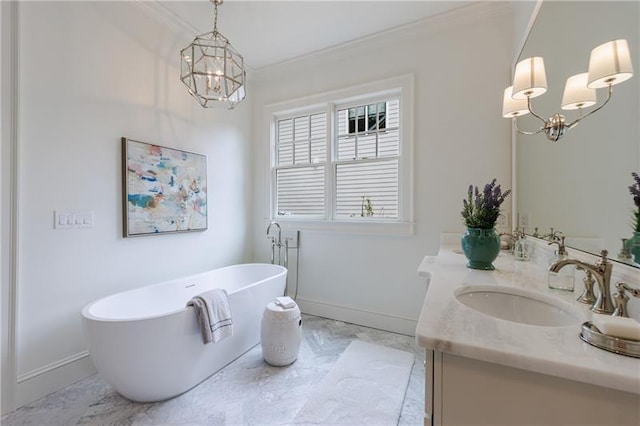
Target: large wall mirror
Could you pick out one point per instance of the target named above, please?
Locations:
(579, 185)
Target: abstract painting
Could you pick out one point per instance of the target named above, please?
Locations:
(165, 189)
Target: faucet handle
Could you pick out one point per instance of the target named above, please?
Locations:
(621, 298)
(603, 258)
(562, 249)
(587, 297)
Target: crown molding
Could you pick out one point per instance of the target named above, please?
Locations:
(464, 15)
(168, 18)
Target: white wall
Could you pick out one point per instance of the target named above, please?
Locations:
(90, 73)
(461, 64)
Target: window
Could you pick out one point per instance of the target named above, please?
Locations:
(300, 165)
(366, 164)
(344, 160)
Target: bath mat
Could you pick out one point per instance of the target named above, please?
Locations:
(365, 387)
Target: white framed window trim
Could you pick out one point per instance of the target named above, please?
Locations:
(326, 103)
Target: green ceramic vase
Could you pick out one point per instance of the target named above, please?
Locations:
(633, 245)
(481, 247)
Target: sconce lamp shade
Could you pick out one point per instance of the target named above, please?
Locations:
(530, 79)
(577, 94)
(513, 107)
(610, 64)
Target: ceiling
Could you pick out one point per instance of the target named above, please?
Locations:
(269, 32)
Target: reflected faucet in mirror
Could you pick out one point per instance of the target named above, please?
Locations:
(609, 64)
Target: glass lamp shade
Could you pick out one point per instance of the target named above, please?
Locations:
(213, 71)
(609, 64)
(530, 79)
(513, 107)
(577, 94)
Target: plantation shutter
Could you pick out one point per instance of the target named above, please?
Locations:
(367, 163)
(301, 146)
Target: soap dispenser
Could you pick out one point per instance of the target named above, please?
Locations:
(522, 247)
(565, 278)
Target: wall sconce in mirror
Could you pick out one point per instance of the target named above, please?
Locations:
(609, 64)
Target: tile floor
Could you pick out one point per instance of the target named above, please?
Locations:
(246, 392)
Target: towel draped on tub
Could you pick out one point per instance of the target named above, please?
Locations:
(214, 315)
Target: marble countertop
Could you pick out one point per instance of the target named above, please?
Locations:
(446, 325)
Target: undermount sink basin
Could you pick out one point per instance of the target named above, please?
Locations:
(517, 305)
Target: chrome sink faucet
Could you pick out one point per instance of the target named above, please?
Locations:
(601, 271)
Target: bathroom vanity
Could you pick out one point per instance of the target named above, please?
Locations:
(517, 358)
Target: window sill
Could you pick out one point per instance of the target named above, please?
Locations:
(363, 227)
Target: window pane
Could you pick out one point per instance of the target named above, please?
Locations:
(372, 117)
(367, 146)
(346, 148)
(393, 114)
(342, 118)
(360, 118)
(367, 189)
(301, 152)
(318, 138)
(382, 115)
(352, 120)
(285, 154)
(301, 125)
(300, 191)
(284, 145)
(389, 143)
(285, 130)
(318, 126)
(318, 151)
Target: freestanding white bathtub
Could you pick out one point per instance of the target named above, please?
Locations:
(146, 342)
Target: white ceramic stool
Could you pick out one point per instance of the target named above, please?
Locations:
(281, 334)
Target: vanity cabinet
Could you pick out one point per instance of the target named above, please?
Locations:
(485, 370)
(466, 391)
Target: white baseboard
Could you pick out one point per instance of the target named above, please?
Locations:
(42, 381)
(354, 315)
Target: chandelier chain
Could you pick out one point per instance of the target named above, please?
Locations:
(215, 15)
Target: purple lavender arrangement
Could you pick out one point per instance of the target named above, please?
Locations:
(481, 209)
(635, 192)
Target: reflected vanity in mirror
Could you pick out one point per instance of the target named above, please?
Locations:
(579, 185)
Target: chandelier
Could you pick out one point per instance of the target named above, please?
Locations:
(212, 69)
(609, 64)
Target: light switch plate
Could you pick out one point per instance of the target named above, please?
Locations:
(524, 220)
(503, 221)
(72, 219)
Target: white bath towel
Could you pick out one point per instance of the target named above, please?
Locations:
(214, 315)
